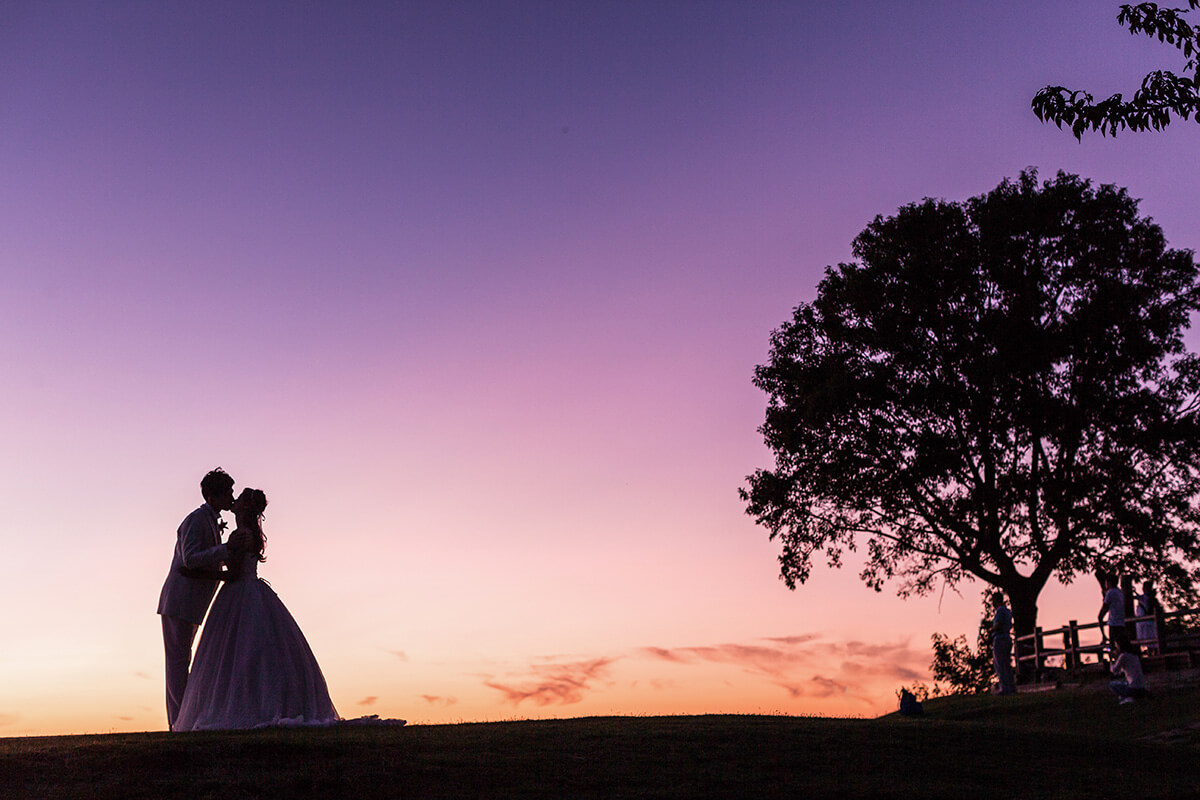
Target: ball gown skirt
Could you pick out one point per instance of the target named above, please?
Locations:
(253, 667)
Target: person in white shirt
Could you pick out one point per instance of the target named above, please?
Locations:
(1114, 609)
(1002, 645)
(1132, 686)
(1147, 605)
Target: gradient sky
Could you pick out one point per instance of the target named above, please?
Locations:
(474, 292)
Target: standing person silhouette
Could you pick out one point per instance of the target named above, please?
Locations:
(192, 582)
(1113, 607)
(1147, 606)
(1002, 645)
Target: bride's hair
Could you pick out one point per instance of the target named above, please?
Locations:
(258, 504)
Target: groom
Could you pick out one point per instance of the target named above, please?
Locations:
(192, 581)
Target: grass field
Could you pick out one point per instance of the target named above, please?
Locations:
(1065, 744)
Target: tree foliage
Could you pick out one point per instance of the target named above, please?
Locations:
(958, 669)
(997, 390)
(1162, 93)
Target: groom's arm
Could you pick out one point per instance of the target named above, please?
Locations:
(195, 541)
(204, 574)
(237, 540)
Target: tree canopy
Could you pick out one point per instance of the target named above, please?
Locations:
(1162, 93)
(997, 389)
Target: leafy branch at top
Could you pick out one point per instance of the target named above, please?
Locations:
(1162, 94)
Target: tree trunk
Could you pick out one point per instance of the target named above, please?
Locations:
(1128, 595)
(1024, 609)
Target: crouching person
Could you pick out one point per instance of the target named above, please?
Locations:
(1132, 686)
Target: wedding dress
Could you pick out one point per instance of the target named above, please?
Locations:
(253, 667)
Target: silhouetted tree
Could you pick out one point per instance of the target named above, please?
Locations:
(1163, 93)
(956, 668)
(997, 390)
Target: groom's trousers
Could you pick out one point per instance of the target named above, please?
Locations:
(178, 636)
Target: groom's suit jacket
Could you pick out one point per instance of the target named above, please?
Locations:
(197, 546)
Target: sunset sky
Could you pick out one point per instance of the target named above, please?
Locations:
(474, 291)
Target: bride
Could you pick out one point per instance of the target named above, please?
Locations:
(253, 667)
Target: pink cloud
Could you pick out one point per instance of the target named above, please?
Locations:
(665, 654)
(882, 670)
(819, 687)
(368, 701)
(826, 687)
(760, 659)
(888, 651)
(803, 638)
(784, 659)
(550, 684)
(437, 700)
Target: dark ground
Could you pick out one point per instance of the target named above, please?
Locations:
(1054, 744)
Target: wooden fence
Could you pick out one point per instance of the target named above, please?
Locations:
(1032, 652)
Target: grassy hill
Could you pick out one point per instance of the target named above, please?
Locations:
(1065, 744)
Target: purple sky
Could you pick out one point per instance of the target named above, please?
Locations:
(475, 291)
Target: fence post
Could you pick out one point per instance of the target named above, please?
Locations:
(1038, 647)
(1160, 631)
(1071, 645)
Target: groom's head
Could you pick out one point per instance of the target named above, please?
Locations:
(217, 489)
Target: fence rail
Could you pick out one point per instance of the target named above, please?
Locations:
(1032, 652)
